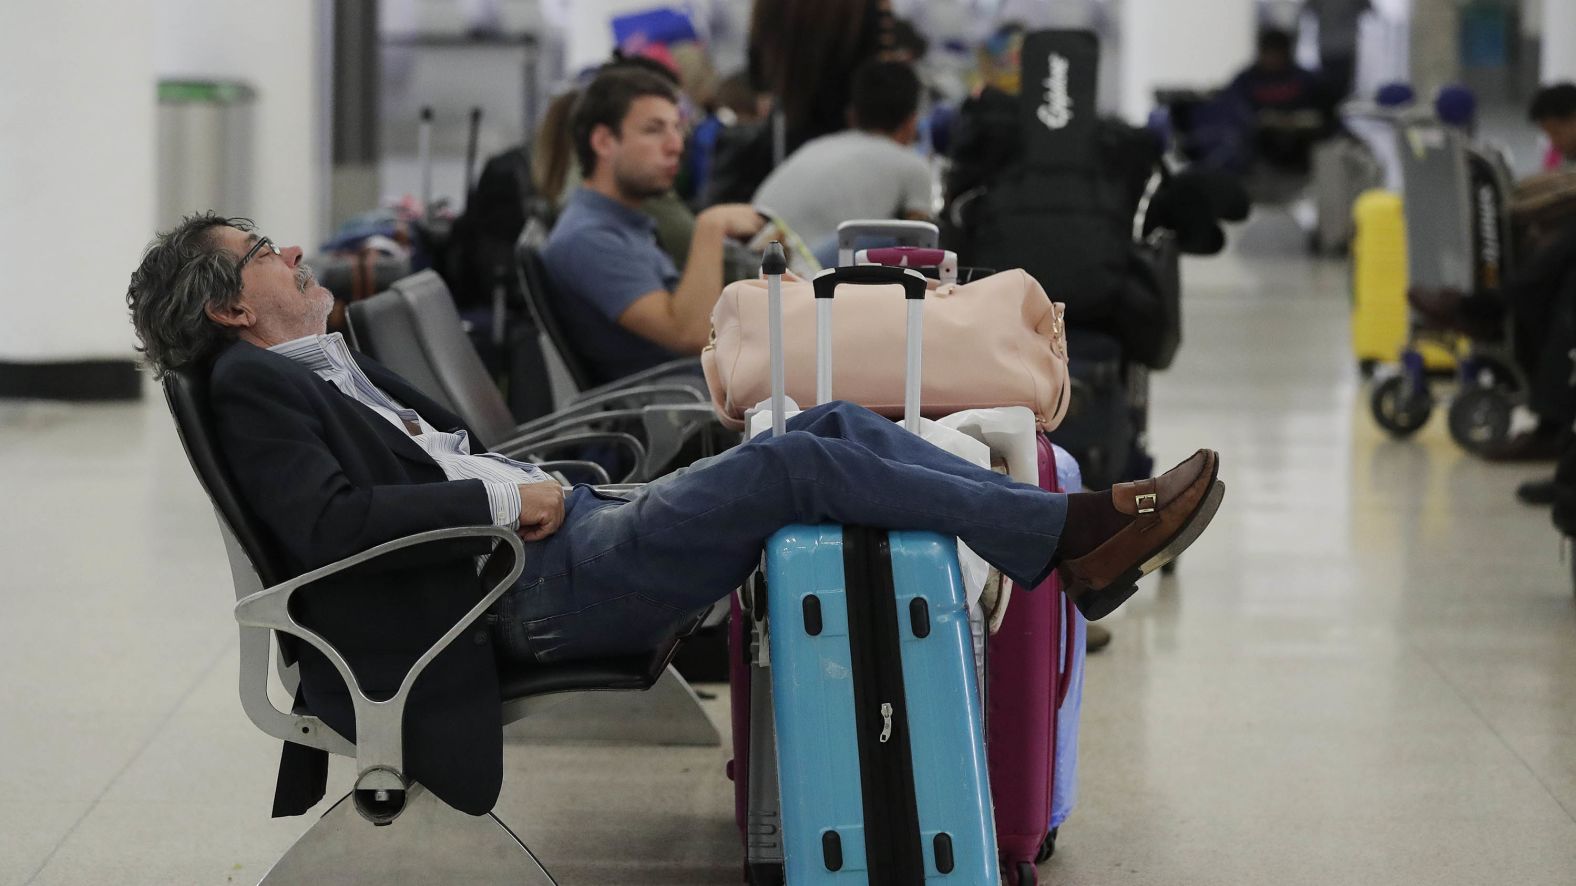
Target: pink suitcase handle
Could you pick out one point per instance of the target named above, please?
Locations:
(944, 260)
(1069, 654)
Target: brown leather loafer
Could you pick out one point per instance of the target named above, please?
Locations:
(1168, 512)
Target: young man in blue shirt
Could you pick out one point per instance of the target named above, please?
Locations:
(623, 301)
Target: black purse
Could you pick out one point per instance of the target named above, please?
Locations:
(1153, 299)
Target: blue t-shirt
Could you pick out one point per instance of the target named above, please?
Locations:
(602, 256)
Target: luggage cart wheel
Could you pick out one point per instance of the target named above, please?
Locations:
(1399, 407)
(1480, 418)
(1025, 875)
(1047, 847)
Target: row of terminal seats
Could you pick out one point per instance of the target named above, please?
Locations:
(386, 829)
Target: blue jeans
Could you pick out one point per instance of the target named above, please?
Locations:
(621, 575)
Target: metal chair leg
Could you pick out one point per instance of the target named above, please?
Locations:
(430, 843)
(667, 714)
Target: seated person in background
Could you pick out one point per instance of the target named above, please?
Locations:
(869, 171)
(335, 454)
(735, 103)
(622, 299)
(1554, 111)
(554, 172)
(1289, 104)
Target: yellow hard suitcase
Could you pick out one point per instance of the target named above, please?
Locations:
(1379, 276)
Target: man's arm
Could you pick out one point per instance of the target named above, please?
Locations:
(681, 320)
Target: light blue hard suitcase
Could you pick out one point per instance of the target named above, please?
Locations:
(881, 757)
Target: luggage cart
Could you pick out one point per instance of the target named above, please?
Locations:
(1457, 232)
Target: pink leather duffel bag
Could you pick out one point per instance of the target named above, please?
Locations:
(997, 341)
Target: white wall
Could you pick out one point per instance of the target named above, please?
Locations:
(1181, 43)
(1559, 41)
(277, 47)
(76, 175)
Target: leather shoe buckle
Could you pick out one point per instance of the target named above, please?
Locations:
(1146, 503)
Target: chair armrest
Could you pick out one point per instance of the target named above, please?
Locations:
(669, 427)
(598, 473)
(381, 783)
(686, 366)
(631, 397)
(553, 439)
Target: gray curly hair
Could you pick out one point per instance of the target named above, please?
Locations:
(183, 271)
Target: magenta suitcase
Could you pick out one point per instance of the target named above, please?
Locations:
(1027, 676)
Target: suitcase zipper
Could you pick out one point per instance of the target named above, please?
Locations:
(893, 849)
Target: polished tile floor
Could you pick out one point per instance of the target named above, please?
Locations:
(1364, 673)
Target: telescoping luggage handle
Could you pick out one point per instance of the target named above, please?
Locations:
(773, 264)
(945, 261)
(825, 284)
(914, 287)
(910, 231)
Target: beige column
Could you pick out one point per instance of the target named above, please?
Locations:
(76, 194)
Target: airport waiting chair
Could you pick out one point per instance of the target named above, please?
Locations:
(539, 296)
(415, 330)
(387, 829)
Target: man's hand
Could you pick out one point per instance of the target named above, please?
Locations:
(739, 221)
(541, 510)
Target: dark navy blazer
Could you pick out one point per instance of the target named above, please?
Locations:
(328, 478)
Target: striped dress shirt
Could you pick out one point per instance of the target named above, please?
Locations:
(329, 357)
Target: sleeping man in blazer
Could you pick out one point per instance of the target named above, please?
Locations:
(334, 454)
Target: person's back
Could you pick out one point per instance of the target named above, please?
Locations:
(869, 172)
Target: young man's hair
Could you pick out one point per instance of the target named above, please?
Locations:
(1555, 102)
(606, 102)
(622, 61)
(884, 96)
(183, 271)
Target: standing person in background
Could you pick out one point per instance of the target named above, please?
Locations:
(869, 171)
(803, 52)
(1338, 28)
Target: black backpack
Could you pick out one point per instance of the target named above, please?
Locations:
(481, 245)
(1040, 182)
(480, 258)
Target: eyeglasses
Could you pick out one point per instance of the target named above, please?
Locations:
(261, 243)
